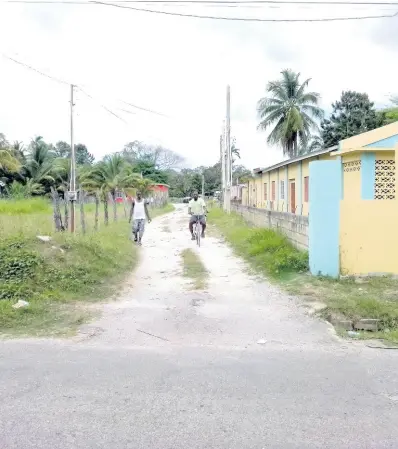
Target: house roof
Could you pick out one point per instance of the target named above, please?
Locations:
(379, 139)
(257, 171)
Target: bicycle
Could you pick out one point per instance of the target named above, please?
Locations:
(197, 229)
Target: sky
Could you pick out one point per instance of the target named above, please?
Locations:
(180, 67)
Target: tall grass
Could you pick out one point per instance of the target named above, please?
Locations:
(25, 206)
(266, 250)
(56, 277)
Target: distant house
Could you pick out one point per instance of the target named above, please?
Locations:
(284, 187)
(160, 193)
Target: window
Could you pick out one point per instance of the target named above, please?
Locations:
(282, 190)
(306, 186)
(385, 180)
(265, 191)
(273, 191)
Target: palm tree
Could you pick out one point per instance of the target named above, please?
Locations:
(8, 163)
(18, 190)
(108, 177)
(41, 165)
(234, 151)
(315, 143)
(292, 110)
(17, 150)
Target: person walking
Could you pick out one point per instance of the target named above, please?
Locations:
(139, 213)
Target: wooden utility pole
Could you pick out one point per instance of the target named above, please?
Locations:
(228, 156)
(222, 159)
(72, 187)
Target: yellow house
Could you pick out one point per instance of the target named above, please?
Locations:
(284, 187)
(353, 224)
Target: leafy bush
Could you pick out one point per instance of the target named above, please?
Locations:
(45, 275)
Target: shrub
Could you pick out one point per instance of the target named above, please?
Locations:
(266, 249)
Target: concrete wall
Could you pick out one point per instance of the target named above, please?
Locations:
(368, 236)
(295, 227)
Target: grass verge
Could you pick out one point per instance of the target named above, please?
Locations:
(59, 278)
(194, 269)
(267, 251)
(156, 211)
(271, 254)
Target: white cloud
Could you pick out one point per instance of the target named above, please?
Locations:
(177, 66)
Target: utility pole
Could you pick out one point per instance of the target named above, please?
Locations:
(228, 164)
(203, 186)
(222, 161)
(72, 187)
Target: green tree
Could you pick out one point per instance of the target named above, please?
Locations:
(41, 164)
(8, 162)
(291, 110)
(353, 114)
(314, 144)
(108, 177)
(17, 149)
(162, 158)
(234, 150)
(19, 190)
(3, 142)
(62, 149)
(149, 170)
(240, 174)
(83, 156)
(388, 115)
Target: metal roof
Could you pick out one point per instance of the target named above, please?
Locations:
(257, 171)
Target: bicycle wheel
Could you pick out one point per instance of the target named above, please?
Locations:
(198, 233)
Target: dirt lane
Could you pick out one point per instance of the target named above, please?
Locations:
(234, 311)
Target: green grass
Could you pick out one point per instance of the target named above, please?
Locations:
(194, 269)
(267, 251)
(59, 282)
(37, 205)
(156, 211)
(353, 299)
(272, 255)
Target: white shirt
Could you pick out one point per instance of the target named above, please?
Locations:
(197, 207)
(139, 210)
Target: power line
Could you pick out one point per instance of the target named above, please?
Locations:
(58, 80)
(128, 112)
(144, 109)
(243, 19)
(102, 105)
(210, 2)
(230, 3)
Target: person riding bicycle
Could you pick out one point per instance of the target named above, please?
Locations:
(197, 210)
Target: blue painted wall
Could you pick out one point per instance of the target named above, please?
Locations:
(368, 168)
(390, 142)
(325, 187)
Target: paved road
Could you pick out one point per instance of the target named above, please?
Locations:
(200, 380)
